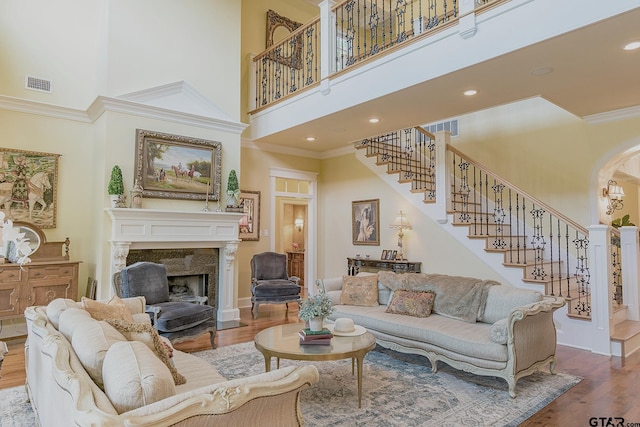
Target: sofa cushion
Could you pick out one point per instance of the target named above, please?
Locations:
(70, 319)
(502, 299)
(134, 376)
(359, 290)
(57, 306)
(115, 308)
(90, 341)
(499, 331)
(177, 316)
(411, 303)
(147, 335)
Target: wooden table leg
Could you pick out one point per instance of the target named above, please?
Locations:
(267, 362)
(360, 360)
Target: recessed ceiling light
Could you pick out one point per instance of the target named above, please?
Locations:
(470, 92)
(632, 46)
(374, 120)
(310, 139)
(540, 71)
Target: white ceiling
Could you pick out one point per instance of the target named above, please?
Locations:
(590, 74)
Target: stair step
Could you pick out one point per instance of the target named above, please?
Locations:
(625, 330)
(579, 317)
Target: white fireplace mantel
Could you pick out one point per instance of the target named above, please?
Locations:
(165, 229)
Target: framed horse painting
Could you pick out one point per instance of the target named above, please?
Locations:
(178, 167)
(28, 183)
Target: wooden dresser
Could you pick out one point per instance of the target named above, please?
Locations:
(295, 265)
(48, 276)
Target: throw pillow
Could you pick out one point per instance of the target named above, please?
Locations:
(115, 308)
(499, 331)
(411, 303)
(147, 335)
(90, 341)
(134, 377)
(361, 290)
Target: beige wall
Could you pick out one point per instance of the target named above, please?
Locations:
(107, 48)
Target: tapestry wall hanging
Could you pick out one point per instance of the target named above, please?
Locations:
(28, 183)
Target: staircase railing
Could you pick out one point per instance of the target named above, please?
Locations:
(351, 32)
(552, 249)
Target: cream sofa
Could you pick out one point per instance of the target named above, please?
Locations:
(477, 326)
(84, 372)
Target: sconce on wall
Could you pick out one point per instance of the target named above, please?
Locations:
(401, 224)
(614, 193)
(299, 223)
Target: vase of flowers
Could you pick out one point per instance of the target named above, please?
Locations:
(15, 246)
(314, 309)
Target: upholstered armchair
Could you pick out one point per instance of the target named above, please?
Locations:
(270, 283)
(176, 320)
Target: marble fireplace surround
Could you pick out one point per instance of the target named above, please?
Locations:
(165, 229)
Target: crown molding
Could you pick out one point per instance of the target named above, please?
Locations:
(103, 104)
(612, 116)
(43, 109)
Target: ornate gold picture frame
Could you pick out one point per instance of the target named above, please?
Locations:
(291, 53)
(365, 222)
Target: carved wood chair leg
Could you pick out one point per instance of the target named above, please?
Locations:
(212, 338)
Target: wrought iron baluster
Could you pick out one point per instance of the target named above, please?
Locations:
(582, 276)
(498, 215)
(538, 243)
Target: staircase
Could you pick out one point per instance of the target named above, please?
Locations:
(550, 249)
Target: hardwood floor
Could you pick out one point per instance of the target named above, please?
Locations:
(610, 387)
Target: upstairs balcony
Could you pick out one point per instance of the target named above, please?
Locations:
(410, 62)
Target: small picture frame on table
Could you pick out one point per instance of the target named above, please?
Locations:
(384, 254)
(394, 255)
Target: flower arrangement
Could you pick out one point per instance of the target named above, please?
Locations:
(11, 236)
(316, 306)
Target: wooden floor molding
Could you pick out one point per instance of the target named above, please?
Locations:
(609, 389)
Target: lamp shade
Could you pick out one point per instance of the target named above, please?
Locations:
(401, 222)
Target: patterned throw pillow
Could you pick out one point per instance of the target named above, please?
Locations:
(359, 290)
(115, 308)
(411, 303)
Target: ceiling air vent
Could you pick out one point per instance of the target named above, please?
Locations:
(37, 83)
(451, 126)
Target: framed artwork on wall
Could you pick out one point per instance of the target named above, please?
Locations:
(249, 225)
(365, 222)
(28, 186)
(178, 167)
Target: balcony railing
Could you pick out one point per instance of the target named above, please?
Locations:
(349, 34)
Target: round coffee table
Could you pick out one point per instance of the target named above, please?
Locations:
(283, 342)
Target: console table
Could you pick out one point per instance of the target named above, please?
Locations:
(356, 265)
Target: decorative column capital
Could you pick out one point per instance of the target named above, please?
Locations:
(230, 249)
(119, 252)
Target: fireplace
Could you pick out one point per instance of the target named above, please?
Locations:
(139, 233)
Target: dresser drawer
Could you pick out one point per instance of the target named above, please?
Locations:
(8, 275)
(50, 272)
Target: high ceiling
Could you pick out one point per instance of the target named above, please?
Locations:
(585, 72)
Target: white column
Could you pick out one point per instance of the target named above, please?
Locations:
(443, 187)
(467, 22)
(327, 44)
(629, 249)
(599, 269)
(226, 310)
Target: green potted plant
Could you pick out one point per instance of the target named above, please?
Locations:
(314, 309)
(116, 189)
(233, 189)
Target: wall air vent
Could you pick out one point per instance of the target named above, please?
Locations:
(451, 126)
(37, 83)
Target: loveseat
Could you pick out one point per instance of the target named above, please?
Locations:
(478, 326)
(118, 371)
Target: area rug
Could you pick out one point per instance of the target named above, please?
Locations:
(398, 390)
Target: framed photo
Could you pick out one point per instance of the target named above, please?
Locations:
(384, 254)
(394, 255)
(178, 167)
(28, 186)
(365, 222)
(249, 201)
